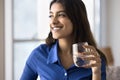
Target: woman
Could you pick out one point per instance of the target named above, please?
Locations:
(54, 60)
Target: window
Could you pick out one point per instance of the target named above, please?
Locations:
(29, 28)
(93, 10)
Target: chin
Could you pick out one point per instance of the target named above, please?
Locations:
(56, 37)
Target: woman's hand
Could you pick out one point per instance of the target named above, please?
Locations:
(94, 61)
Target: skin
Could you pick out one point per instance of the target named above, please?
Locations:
(62, 28)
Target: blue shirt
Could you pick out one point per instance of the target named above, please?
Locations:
(45, 63)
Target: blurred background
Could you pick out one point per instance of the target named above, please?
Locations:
(24, 26)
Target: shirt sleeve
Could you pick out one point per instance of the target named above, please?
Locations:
(103, 69)
(28, 73)
(103, 66)
(34, 61)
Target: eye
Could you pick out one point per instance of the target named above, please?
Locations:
(62, 15)
(50, 16)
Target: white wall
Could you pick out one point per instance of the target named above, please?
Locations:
(1, 41)
(111, 27)
(114, 24)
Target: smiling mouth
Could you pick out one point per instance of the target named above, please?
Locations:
(56, 28)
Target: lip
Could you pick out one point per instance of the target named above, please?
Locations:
(56, 28)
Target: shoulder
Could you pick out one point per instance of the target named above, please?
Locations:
(40, 50)
(38, 55)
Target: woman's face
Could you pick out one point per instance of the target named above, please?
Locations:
(60, 24)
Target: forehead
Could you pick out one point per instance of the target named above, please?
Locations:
(56, 7)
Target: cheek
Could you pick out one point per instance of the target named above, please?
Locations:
(50, 26)
(70, 25)
(69, 29)
(50, 22)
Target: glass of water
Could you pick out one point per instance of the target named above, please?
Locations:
(78, 49)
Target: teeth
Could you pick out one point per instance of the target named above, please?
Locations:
(56, 28)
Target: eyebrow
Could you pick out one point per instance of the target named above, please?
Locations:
(58, 11)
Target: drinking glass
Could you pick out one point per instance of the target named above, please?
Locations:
(78, 49)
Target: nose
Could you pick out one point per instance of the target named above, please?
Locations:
(55, 20)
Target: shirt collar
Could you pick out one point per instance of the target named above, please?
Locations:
(53, 54)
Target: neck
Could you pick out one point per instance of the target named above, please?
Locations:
(65, 50)
(65, 46)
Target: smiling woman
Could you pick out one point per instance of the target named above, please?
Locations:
(29, 30)
(68, 25)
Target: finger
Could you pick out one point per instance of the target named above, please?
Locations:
(90, 47)
(89, 53)
(91, 58)
(91, 64)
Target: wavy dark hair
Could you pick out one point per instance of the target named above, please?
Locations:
(76, 11)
